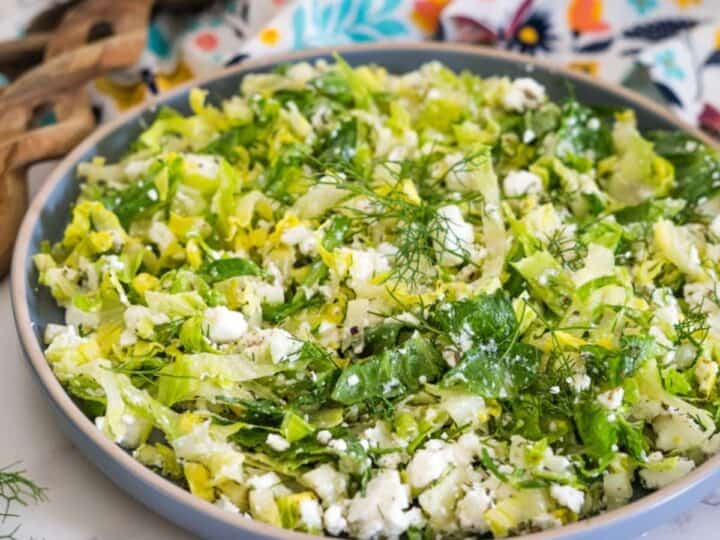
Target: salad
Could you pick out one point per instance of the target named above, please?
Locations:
(354, 303)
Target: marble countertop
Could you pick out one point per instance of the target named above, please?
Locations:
(84, 505)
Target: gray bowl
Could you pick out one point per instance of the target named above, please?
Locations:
(34, 308)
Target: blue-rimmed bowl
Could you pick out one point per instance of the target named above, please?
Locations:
(50, 211)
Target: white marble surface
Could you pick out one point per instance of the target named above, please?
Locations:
(84, 505)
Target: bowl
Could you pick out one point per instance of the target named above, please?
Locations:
(48, 214)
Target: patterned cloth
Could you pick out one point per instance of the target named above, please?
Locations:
(668, 49)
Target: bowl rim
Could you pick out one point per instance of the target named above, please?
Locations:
(64, 403)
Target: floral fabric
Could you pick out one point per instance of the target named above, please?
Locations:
(668, 49)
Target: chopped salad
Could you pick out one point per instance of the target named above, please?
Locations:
(355, 303)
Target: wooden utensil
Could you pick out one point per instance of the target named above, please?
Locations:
(92, 38)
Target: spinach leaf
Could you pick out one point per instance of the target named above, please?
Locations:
(697, 167)
(632, 439)
(142, 197)
(340, 144)
(223, 269)
(285, 177)
(484, 317)
(649, 211)
(227, 143)
(336, 232)
(494, 374)
(597, 432)
(334, 85)
(583, 133)
(389, 374)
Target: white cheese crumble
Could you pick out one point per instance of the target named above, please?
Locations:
(524, 93)
(715, 227)
(471, 510)
(324, 436)
(381, 511)
(428, 464)
(518, 183)
(301, 236)
(311, 514)
(327, 482)
(277, 442)
(353, 380)
(612, 399)
(223, 325)
(335, 522)
(455, 240)
(568, 496)
(282, 344)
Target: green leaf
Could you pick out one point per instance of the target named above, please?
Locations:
(633, 440)
(697, 167)
(227, 143)
(223, 269)
(495, 374)
(597, 432)
(486, 317)
(390, 374)
(337, 231)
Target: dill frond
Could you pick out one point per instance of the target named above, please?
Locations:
(422, 234)
(16, 488)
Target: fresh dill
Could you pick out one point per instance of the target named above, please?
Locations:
(423, 235)
(16, 488)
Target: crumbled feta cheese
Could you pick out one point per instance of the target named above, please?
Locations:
(455, 241)
(568, 496)
(715, 227)
(277, 442)
(283, 345)
(311, 514)
(353, 380)
(428, 464)
(301, 236)
(554, 390)
(327, 482)
(226, 504)
(324, 436)
(338, 444)
(471, 510)
(518, 183)
(524, 93)
(335, 522)
(381, 510)
(224, 325)
(593, 123)
(528, 136)
(365, 265)
(611, 399)
(579, 382)
(66, 333)
(264, 481)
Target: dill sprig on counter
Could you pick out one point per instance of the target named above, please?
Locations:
(16, 488)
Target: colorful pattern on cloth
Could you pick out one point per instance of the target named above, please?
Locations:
(668, 49)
